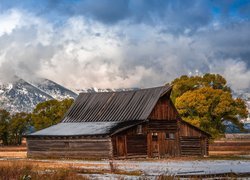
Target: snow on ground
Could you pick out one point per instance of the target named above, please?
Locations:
(149, 169)
(116, 177)
(187, 167)
(171, 167)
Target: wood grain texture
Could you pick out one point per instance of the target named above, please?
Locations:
(76, 148)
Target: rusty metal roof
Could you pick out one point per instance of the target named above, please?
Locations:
(114, 106)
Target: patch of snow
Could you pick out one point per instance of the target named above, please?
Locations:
(167, 167)
(23, 91)
(184, 167)
(107, 176)
(9, 86)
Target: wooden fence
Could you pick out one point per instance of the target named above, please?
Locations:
(236, 144)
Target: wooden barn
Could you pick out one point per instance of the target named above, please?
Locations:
(127, 124)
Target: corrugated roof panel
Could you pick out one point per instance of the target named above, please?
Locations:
(74, 129)
(114, 106)
(85, 129)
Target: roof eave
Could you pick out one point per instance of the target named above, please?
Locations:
(127, 127)
(83, 135)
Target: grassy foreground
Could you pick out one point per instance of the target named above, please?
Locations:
(23, 171)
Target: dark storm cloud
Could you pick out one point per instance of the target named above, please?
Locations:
(107, 11)
(229, 41)
(175, 15)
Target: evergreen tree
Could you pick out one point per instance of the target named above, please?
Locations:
(4, 124)
(18, 125)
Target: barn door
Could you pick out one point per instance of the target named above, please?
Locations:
(155, 144)
(121, 147)
(169, 142)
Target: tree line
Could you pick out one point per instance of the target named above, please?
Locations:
(14, 126)
(204, 101)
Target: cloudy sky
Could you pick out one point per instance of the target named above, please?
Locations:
(124, 43)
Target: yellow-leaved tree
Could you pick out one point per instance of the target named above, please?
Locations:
(206, 101)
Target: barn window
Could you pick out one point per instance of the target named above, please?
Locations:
(139, 129)
(170, 135)
(154, 136)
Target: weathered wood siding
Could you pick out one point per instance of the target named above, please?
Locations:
(163, 120)
(162, 147)
(161, 125)
(136, 145)
(83, 148)
(187, 130)
(158, 144)
(130, 144)
(164, 110)
(187, 140)
(192, 141)
(190, 145)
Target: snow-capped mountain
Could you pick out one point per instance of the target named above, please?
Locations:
(20, 95)
(54, 89)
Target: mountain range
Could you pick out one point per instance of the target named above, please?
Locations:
(20, 95)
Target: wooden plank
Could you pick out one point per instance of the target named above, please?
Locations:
(190, 146)
(81, 148)
(137, 144)
(229, 148)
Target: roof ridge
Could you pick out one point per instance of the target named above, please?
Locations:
(131, 90)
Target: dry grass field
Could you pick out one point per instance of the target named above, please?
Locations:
(14, 164)
(24, 170)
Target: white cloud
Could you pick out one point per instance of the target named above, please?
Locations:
(235, 71)
(83, 53)
(9, 21)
